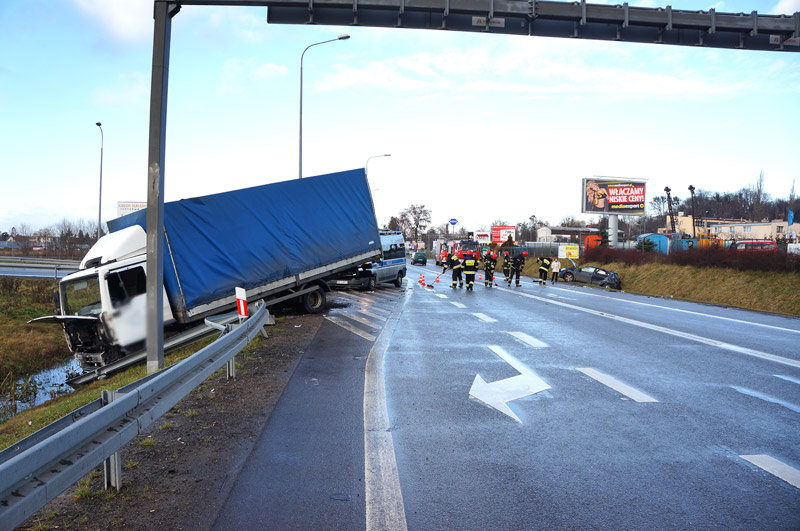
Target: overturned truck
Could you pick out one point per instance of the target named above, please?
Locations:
(280, 242)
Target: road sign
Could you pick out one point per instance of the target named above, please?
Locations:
(13, 232)
(241, 302)
(453, 221)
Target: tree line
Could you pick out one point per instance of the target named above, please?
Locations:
(65, 238)
(750, 203)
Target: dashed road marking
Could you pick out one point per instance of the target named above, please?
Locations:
(457, 304)
(618, 386)
(777, 468)
(485, 318)
(341, 321)
(525, 338)
(766, 398)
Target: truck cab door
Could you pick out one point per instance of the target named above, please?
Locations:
(127, 290)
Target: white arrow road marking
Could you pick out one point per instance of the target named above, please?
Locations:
(496, 394)
(775, 467)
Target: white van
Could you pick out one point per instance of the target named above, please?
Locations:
(390, 268)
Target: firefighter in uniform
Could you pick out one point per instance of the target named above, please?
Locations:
(470, 268)
(516, 267)
(489, 265)
(456, 266)
(506, 265)
(544, 267)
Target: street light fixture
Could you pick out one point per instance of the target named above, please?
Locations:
(366, 164)
(100, 199)
(341, 37)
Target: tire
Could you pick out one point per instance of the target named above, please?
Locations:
(370, 285)
(313, 301)
(569, 277)
(398, 282)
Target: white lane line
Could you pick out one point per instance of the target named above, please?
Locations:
(363, 321)
(787, 378)
(708, 341)
(617, 299)
(368, 312)
(485, 318)
(618, 386)
(441, 296)
(777, 468)
(383, 493)
(457, 304)
(347, 326)
(525, 338)
(766, 398)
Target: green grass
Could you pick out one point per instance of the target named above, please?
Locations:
(29, 421)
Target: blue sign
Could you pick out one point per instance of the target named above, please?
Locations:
(453, 221)
(791, 217)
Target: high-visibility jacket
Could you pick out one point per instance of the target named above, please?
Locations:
(544, 263)
(455, 263)
(470, 264)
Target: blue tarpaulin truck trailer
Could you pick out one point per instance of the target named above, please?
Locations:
(278, 241)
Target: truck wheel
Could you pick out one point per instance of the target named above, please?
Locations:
(399, 280)
(314, 301)
(370, 285)
(569, 277)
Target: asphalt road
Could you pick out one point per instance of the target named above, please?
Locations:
(532, 407)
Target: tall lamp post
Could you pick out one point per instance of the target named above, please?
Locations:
(341, 37)
(366, 164)
(100, 199)
(694, 224)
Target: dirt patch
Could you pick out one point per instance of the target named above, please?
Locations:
(178, 474)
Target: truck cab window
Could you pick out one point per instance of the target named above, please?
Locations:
(126, 284)
(81, 296)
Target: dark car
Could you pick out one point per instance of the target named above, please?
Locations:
(590, 275)
(419, 258)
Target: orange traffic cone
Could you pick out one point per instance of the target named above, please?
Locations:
(423, 280)
(479, 277)
(420, 278)
(437, 278)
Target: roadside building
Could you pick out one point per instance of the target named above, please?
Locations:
(569, 234)
(774, 230)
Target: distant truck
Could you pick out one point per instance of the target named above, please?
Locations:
(279, 241)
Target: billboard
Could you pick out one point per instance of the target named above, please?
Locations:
(500, 233)
(613, 196)
(483, 237)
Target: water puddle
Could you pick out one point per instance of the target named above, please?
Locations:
(39, 388)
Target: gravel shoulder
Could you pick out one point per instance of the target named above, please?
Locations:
(178, 474)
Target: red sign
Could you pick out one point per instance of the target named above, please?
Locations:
(241, 302)
(500, 233)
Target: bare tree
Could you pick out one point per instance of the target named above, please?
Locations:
(416, 219)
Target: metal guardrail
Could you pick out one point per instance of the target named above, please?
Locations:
(40, 467)
(10, 261)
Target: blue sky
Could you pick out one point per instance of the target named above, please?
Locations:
(480, 127)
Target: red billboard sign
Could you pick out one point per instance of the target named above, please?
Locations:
(500, 233)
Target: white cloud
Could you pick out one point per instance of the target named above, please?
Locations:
(238, 73)
(123, 20)
(132, 88)
(786, 7)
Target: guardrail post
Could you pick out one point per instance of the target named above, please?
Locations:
(112, 467)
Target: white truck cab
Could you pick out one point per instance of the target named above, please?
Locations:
(103, 305)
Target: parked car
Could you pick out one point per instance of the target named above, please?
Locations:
(590, 275)
(759, 246)
(419, 258)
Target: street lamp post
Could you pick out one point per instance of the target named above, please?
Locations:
(694, 233)
(366, 164)
(341, 37)
(100, 199)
